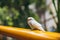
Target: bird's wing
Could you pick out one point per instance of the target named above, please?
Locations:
(37, 25)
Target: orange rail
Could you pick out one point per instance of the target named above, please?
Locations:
(27, 34)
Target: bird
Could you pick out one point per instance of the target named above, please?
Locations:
(34, 24)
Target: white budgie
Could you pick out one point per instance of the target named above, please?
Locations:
(34, 24)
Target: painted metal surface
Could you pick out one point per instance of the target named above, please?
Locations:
(27, 34)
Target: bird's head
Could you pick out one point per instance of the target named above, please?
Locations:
(30, 18)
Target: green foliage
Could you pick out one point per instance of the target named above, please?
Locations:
(58, 16)
(12, 14)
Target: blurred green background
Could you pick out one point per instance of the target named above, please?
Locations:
(15, 12)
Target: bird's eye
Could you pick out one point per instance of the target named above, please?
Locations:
(30, 19)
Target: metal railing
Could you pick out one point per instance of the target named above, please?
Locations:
(27, 34)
